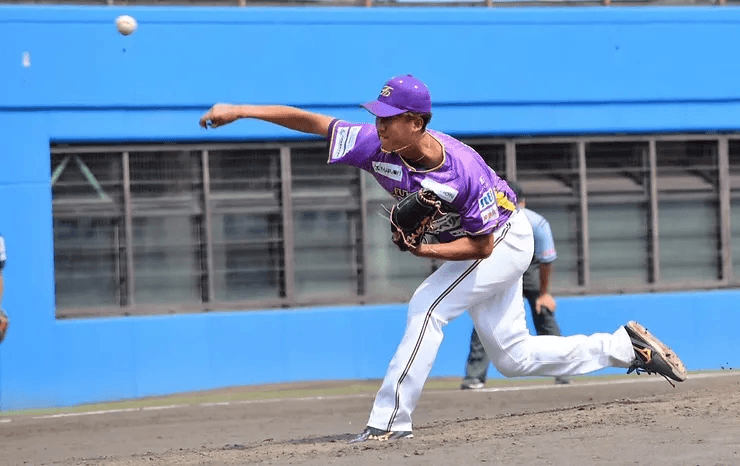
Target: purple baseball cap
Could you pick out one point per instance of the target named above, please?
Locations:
(400, 95)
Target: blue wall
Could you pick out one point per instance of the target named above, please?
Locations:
(491, 71)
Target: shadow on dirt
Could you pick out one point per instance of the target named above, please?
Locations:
(339, 438)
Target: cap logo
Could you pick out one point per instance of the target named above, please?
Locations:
(386, 91)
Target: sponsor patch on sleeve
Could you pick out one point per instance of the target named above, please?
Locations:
(344, 141)
(489, 214)
(487, 200)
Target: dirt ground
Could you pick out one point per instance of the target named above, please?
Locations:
(597, 421)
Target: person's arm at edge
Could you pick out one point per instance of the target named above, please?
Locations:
(545, 298)
(545, 254)
(288, 117)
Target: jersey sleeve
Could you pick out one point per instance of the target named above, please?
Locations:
(352, 143)
(483, 205)
(480, 213)
(544, 244)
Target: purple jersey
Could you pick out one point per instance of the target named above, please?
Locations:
(477, 200)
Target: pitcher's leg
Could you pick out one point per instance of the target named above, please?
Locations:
(572, 355)
(544, 324)
(441, 298)
(515, 352)
(406, 374)
(455, 287)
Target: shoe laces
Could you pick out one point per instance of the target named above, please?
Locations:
(644, 356)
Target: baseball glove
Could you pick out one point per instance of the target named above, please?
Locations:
(412, 217)
(3, 325)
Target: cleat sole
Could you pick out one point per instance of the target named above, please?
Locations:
(677, 367)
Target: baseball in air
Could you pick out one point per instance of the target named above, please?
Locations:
(125, 24)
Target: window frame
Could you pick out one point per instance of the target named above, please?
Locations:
(285, 148)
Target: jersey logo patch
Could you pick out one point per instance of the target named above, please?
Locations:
(487, 200)
(399, 193)
(488, 215)
(446, 193)
(389, 170)
(344, 141)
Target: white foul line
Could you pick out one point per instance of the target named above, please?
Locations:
(365, 395)
(124, 410)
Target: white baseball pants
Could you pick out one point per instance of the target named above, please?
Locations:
(491, 291)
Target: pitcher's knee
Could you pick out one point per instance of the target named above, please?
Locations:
(512, 366)
(420, 304)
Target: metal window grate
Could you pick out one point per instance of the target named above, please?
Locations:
(188, 228)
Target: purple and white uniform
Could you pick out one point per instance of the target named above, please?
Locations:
(477, 200)
(489, 289)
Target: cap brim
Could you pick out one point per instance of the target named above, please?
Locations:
(381, 109)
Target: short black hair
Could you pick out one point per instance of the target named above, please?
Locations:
(425, 118)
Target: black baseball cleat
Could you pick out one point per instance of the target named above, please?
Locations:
(652, 356)
(371, 433)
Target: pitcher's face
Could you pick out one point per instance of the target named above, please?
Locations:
(398, 131)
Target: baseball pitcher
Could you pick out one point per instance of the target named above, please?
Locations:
(485, 243)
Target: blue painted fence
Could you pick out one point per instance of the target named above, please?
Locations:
(66, 75)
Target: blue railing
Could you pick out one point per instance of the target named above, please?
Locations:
(380, 3)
